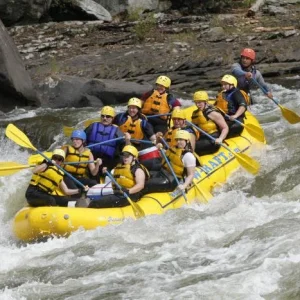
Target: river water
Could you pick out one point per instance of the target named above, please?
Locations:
(244, 244)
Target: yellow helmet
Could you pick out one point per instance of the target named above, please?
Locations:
(164, 81)
(229, 79)
(135, 101)
(182, 134)
(131, 149)
(59, 152)
(108, 110)
(178, 113)
(201, 96)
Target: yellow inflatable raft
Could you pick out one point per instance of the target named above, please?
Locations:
(40, 222)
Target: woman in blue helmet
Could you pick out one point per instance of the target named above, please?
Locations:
(79, 153)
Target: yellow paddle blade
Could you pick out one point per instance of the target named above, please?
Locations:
(11, 167)
(289, 115)
(68, 130)
(36, 159)
(139, 213)
(256, 132)
(87, 123)
(250, 164)
(204, 194)
(9, 164)
(19, 137)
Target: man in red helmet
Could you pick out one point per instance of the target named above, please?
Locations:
(245, 69)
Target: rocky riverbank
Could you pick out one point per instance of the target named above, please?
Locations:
(92, 63)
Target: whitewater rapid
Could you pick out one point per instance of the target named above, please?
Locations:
(244, 244)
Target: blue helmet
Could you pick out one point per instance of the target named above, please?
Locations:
(78, 134)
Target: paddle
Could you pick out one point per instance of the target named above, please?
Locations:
(19, 137)
(142, 141)
(159, 115)
(206, 195)
(106, 142)
(173, 173)
(68, 130)
(11, 167)
(288, 114)
(254, 130)
(139, 213)
(245, 161)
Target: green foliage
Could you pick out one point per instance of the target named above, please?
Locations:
(145, 28)
(248, 3)
(54, 67)
(134, 15)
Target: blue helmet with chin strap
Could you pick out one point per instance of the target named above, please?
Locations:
(78, 134)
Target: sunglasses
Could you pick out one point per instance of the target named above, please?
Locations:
(57, 158)
(126, 154)
(106, 116)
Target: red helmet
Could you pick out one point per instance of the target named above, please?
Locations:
(247, 52)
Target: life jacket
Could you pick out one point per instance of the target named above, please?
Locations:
(125, 174)
(201, 119)
(58, 192)
(134, 127)
(156, 104)
(246, 96)
(225, 103)
(34, 179)
(170, 135)
(100, 133)
(48, 180)
(73, 155)
(174, 156)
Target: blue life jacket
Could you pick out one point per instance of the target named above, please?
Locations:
(232, 106)
(100, 133)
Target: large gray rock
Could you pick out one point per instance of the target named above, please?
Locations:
(92, 8)
(15, 83)
(116, 7)
(71, 91)
(23, 11)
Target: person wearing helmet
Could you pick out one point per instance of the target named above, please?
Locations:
(209, 119)
(245, 69)
(130, 175)
(135, 123)
(79, 154)
(47, 178)
(102, 131)
(181, 158)
(178, 118)
(232, 102)
(159, 101)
